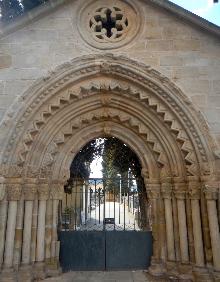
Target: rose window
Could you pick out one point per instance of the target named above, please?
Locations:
(108, 24)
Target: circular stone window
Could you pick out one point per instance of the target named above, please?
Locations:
(107, 24)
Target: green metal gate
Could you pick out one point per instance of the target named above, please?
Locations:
(105, 229)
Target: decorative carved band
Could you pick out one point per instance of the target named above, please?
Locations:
(167, 190)
(57, 190)
(211, 191)
(14, 189)
(30, 189)
(139, 75)
(43, 190)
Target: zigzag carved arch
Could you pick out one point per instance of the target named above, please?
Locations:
(157, 92)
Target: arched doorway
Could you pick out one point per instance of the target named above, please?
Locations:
(104, 216)
(109, 95)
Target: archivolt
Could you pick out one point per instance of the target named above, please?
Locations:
(103, 88)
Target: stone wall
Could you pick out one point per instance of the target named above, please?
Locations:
(183, 52)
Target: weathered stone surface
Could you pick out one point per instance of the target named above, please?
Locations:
(53, 100)
(5, 61)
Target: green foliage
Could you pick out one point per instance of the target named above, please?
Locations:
(118, 158)
(80, 165)
(30, 4)
(10, 9)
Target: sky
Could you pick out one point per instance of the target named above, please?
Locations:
(203, 8)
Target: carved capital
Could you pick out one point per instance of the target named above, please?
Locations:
(211, 191)
(30, 189)
(2, 188)
(180, 187)
(153, 190)
(194, 191)
(167, 190)
(43, 190)
(14, 189)
(57, 190)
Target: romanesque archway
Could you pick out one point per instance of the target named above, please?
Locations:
(106, 95)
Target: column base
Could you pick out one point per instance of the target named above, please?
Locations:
(157, 269)
(172, 268)
(216, 275)
(53, 269)
(8, 274)
(185, 272)
(39, 270)
(25, 273)
(202, 274)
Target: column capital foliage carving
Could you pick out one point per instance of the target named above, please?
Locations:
(153, 190)
(14, 189)
(43, 189)
(211, 191)
(30, 189)
(57, 190)
(194, 190)
(167, 190)
(180, 188)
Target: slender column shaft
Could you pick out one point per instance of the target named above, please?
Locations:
(214, 232)
(34, 231)
(169, 229)
(48, 230)
(176, 229)
(18, 234)
(206, 232)
(197, 232)
(162, 228)
(183, 230)
(155, 231)
(54, 228)
(41, 231)
(3, 220)
(26, 248)
(10, 234)
(190, 230)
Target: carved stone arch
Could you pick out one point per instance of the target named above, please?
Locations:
(141, 82)
(101, 95)
(105, 129)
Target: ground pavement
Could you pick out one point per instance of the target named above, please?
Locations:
(108, 276)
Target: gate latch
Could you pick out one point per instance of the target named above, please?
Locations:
(110, 220)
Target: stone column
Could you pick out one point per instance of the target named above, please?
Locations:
(190, 229)
(167, 196)
(18, 233)
(194, 195)
(43, 194)
(34, 230)
(57, 190)
(210, 191)
(30, 189)
(3, 217)
(176, 229)
(153, 193)
(14, 194)
(48, 230)
(180, 194)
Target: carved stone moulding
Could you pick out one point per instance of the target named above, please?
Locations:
(57, 190)
(43, 189)
(211, 190)
(14, 188)
(30, 188)
(108, 24)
